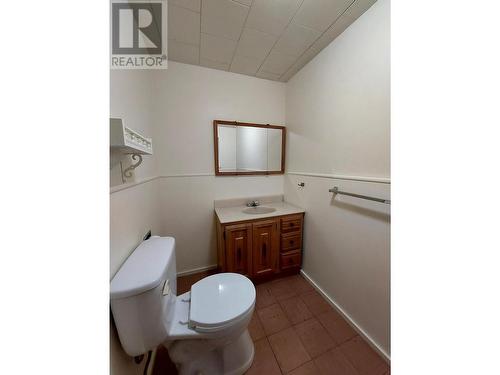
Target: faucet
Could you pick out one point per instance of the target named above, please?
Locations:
(253, 204)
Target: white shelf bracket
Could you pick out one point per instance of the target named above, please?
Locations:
(127, 173)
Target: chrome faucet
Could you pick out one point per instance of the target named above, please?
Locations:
(253, 204)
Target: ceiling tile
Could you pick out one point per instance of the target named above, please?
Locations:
(182, 52)
(214, 64)
(277, 62)
(351, 14)
(244, 2)
(183, 25)
(278, 38)
(188, 4)
(256, 44)
(296, 39)
(300, 62)
(245, 65)
(320, 14)
(224, 18)
(267, 75)
(271, 16)
(217, 49)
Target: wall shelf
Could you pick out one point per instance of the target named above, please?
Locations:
(128, 141)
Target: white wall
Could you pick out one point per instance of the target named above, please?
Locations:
(338, 105)
(187, 99)
(338, 122)
(133, 211)
(131, 100)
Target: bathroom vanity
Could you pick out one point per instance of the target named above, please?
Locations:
(259, 242)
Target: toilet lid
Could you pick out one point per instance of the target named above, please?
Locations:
(220, 299)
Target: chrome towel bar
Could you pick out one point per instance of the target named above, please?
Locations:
(335, 190)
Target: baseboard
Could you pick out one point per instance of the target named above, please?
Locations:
(196, 270)
(349, 320)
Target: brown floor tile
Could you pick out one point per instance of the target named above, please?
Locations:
(264, 297)
(273, 319)
(334, 362)
(363, 357)
(255, 328)
(314, 337)
(295, 310)
(315, 302)
(308, 368)
(330, 315)
(281, 289)
(337, 327)
(264, 361)
(288, 349)
(300, 285)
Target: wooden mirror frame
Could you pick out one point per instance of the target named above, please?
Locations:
(235, 123)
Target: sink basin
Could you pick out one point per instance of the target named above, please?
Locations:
(258, 210)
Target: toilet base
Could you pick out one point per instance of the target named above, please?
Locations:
(232, 358)
(238, 356)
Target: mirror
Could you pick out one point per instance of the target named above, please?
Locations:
(245, 148)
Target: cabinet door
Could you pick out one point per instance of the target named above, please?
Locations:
(238, 240)
(265, 247)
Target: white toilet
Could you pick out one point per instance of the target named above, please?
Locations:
(205, 330)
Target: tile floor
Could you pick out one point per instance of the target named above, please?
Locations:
(296, 332)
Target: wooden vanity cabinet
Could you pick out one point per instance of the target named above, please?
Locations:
(291, 242)
(265, 248)
(261, 248)
(239, 249)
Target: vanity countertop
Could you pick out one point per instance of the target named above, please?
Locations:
(235, 213)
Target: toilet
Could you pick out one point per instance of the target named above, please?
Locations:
(204, 330)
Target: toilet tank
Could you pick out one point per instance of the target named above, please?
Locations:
(143, 294)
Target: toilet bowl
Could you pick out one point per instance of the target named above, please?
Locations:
(215, 339)
(204, 330)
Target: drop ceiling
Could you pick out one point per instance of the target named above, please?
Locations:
(271, 39)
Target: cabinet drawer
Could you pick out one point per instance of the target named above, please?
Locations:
(291, 224)
(290, 260)
(291, 242)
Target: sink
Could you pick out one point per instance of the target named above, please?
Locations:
(258, 210)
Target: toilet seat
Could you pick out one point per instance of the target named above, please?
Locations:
(219, 301)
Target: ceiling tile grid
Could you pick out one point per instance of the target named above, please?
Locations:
(223, 18)
(270, 39)
(245, 65)
(193, 5)
(183, 25)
